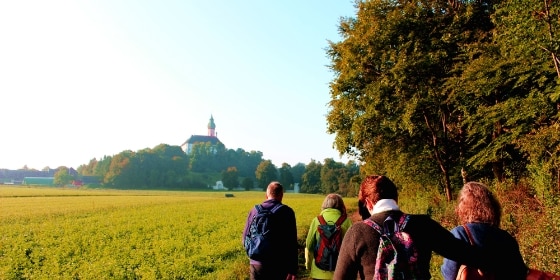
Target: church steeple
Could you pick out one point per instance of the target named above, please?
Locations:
(211, 127)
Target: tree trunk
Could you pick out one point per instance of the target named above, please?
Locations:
(498, 170)
(447, 183)
(558, 180)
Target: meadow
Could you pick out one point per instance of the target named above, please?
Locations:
(50, 233)
(53, 233)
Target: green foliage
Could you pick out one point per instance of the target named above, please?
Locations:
(230, 178)
(266, 172)
(247, 183)
(62, 177)
(286, 178)
(541, 180)
(297, 172)
(311, 179)
(390, 85)
(451, 86)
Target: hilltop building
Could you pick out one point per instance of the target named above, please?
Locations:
(212, 137)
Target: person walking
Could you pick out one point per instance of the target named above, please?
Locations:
(479, 213)
(333, 211)
(359, 251)
(280, 259)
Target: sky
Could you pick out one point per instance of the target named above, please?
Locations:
(80, 80)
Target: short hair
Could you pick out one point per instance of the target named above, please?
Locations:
(362, 210)
(335, 201)
(275, 190)
(377, 187)
(477, 204)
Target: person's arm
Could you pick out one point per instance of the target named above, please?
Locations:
(292, 245)
(450, 268)
(246, 228)
(348, 262)
(310, 243)
(446, 245)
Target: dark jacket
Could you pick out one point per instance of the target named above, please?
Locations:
(358, 252)
(284, 256)
(509, 263)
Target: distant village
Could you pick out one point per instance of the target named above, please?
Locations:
(33, 177)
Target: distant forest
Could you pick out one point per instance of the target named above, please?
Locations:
(168, 167)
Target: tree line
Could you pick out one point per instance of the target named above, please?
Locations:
(447, 91)
(168, 167)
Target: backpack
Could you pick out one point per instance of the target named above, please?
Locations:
(330, 238)
(471, 273)
(397, 256)
(257, 241)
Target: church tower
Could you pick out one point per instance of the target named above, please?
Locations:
(211, 127)
(211, 138)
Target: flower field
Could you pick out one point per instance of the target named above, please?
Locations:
(52, 233)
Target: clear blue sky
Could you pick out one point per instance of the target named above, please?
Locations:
(84, 79)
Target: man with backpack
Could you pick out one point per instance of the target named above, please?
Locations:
(394, 245)
(270, 238)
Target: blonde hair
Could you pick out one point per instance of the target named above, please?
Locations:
(335, 201)
(477, 204)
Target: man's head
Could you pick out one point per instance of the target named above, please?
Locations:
(375, 188)
(275, 190)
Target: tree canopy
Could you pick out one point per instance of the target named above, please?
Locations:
(446, 91)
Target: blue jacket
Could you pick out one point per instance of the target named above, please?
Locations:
(496, 241)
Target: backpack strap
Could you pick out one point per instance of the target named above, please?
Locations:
(341, 219)
(469, 235)
(321, 220)
(260, 208)
(374, 225)
(338, 222)
(276, 207)
(389, 225)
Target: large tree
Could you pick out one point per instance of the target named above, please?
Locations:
(389, 89)
(230, 178)
(62, 177)
(311, 178)
(528, 37)
(266, 172)
(286, 177)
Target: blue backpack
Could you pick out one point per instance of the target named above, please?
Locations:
(257, 241)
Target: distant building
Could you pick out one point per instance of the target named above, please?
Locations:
(41, 181)
(17, 176)
(219, 186)
(212, 137)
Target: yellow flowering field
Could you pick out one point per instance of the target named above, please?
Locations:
(51, 233)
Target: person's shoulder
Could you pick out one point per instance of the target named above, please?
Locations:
(506, 235)
(420, 218)
(422, 221)
(285, 208)
(365, 225)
